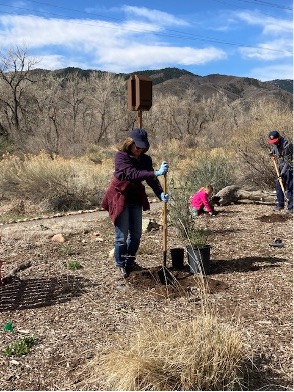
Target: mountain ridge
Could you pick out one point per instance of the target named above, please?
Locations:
(176, 81)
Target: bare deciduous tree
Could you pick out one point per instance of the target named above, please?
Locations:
(108, 98)
(16, 119)
(69, 113)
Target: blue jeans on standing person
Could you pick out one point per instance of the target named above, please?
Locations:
(128, 231)
(288, 185)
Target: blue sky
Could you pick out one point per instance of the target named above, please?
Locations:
(250, 38)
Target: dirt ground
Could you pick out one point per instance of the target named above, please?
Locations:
(74, 314)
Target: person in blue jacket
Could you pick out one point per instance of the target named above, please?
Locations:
(125, 197)
(282, 150)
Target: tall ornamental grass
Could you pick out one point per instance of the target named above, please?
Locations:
(200, 354)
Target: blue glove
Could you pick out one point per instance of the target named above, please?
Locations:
(163, 169)
(164, 197)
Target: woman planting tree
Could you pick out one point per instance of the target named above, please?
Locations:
(125, 198)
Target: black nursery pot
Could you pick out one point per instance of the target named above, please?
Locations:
(177, 258)
(199, 259)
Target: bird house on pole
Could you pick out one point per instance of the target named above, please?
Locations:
(139, 95)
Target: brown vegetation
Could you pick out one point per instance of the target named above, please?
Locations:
(70, 111)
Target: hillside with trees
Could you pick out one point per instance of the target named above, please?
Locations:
(49, 119)
(68, 111)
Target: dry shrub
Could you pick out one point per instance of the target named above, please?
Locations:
(173, 152)
(200, 354)
(249, 141)
(65, 183)
(98, 154)
(212, 167)
(254, 162)
(200, 167)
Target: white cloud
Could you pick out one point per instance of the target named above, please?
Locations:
(272, 72)
(133, 27)
(39, 32)
(137, 56)
(270, 25)
(268, 51)
(154, 16)
(109, 46)
(52, 62)
(275, 39)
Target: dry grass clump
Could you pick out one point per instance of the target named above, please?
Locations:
(65, 183)
(201, 354)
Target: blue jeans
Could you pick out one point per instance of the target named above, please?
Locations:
(128, 231)
(288, 185)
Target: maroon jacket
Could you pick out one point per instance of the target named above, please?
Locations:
(126, 184)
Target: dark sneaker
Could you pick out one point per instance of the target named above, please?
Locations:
(133, 266)
(278, 208)
(277, 243)
(122, 272)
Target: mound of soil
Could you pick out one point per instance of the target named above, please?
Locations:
(173, 283)
(274, 218)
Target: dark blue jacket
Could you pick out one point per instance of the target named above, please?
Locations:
(284, 154)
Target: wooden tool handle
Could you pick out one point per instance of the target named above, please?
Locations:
(279, 176)
(276, 166)
(164, 227)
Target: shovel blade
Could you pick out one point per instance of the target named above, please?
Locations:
(165, 276)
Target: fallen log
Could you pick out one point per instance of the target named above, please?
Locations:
(257, 196)
(234, 194)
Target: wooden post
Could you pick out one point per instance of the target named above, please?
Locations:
(1, 262)
(139, 118)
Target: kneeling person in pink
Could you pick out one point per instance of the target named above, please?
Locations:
(200, 201)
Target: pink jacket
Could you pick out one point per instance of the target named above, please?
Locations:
(200, 200)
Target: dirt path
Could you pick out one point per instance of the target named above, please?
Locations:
(66, 220)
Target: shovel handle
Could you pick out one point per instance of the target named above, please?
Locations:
(276, 166)
(164, 226)
(165, 183)
(279, 176)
